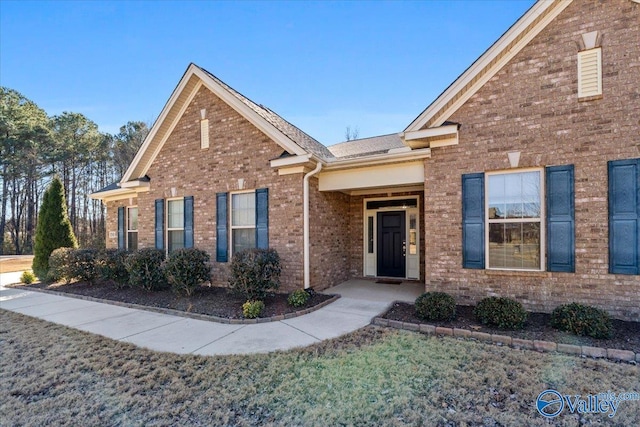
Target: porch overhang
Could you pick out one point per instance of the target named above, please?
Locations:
(123, 191)
(382, 176)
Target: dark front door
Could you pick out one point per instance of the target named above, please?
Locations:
(391, 244)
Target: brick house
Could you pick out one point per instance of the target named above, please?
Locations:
(522, 179)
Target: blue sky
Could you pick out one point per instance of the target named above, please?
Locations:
(321, 65)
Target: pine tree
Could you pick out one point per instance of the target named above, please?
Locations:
(54, 228)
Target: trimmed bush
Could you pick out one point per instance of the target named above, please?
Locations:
(298, 298)
(53, 230)
(504, 313)
(111, 263)
(252, 309)
(438, 306)
(83, 265)
(27, 278)
(145, 269)
(255, 273)
(582, 320)
(59, 261)
(186, 269)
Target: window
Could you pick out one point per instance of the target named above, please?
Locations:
(413, 234)
(514, 216)
(132, 228)
(175, 224)
(243, 221)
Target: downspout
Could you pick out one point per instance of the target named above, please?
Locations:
(305, 203)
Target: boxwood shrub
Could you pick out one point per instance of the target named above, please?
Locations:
(298, 298)
(255, 273)
(59, 265)
(145, 269)
(504, 313)
(83, 265)
(582, 320)
(252, 309)
(437, 306)
(113, 268)
(186, 269)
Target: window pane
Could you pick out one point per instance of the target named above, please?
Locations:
(176, 240)
(175, 214)
(132, 240)
(514, 195)
(370, 234)
(514, 245)
(243, 238)
(243, 209)
(413, 235)
(132, 219)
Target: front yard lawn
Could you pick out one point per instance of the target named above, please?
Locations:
(53, 375)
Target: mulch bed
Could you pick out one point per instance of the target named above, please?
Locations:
(209, 300)
(626, 335)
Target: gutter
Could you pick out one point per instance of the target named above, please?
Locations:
(305, 203)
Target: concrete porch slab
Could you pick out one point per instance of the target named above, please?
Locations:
(369, 290)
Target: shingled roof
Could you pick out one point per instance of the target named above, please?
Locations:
(366, 146)
(292, 132)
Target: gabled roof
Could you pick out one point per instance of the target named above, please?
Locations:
(290, 138)
(366, 146)
(485, 67)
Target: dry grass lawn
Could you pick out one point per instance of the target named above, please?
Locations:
(53, 375)
(20, 263)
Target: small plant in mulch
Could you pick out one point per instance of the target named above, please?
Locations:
(438, 306)
(27, 278)
(582, 320)
(500, 312)
(252, 309)
(298, 298)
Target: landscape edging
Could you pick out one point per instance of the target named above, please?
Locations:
(197, 316)
(505, 340)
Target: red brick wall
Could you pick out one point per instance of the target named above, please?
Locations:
(237, 150)
(531, 106)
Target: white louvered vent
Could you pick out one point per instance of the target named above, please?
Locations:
(204, 133)
(590, 73)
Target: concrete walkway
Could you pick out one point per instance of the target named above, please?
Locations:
(361, 301)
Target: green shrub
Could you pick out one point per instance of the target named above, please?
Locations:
(255, 272)
(53, 230)
(59, 265)
(83, 265)
(504, 313)
(27, 278)
(436, 306)
(186, 269)
(112, 266)
(582, 320)
(252, 309)
(145, 269)
(298, 298)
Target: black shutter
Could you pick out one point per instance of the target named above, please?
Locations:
(159, 229)
(560, 219)
(262, 218)
(188, 222)
(222, 234)
(473, 221)
(121, 231)
(624, 216)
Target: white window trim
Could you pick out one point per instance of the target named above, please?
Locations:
(543, 207)
(237, 227)
(127, 225)
(166, 221)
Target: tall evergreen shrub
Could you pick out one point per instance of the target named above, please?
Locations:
(54, 228)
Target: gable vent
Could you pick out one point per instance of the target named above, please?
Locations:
(590, 73)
